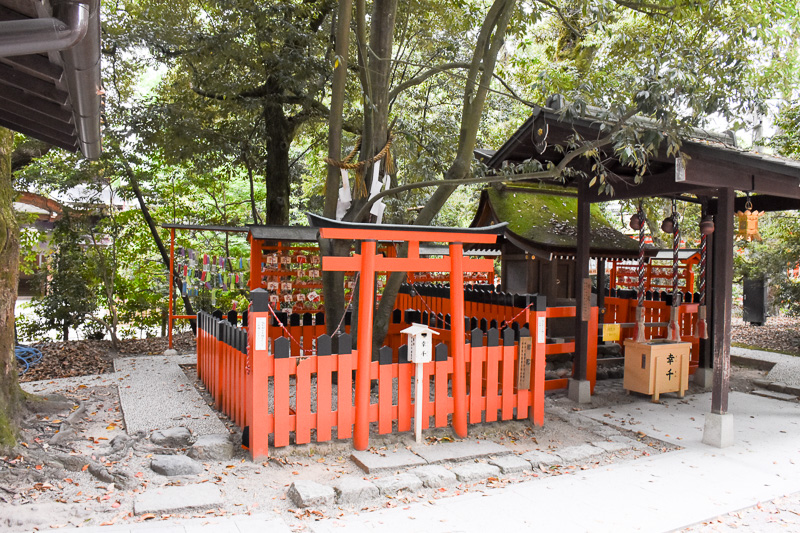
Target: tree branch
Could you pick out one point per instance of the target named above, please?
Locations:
(553, 172)
(561, 15)
(416, 80)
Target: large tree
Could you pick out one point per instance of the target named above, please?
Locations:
(240, 79)
(676, 65)
(10, 393)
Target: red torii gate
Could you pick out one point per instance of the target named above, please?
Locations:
(368, 262)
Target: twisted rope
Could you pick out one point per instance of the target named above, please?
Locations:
(640, 267)
(703, 252)
(360, 166)
(676, 242)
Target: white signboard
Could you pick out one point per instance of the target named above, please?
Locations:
(261, 333)
(540, 326)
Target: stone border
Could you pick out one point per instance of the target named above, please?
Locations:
(359, 491)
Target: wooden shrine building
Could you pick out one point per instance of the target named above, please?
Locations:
(715, 170)
(539, 243)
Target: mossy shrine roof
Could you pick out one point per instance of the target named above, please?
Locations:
(543, 223)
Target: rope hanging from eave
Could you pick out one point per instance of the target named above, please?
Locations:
(360, 187)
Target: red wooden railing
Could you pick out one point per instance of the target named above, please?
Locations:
(295, 395)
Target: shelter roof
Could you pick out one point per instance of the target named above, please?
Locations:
(713, 162)
(50, 86)
(542, 221)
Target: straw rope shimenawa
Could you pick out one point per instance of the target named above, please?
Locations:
(360, 187)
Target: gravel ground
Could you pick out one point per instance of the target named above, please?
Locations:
(780, 334)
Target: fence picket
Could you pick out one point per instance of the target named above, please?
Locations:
(304, 418)
(476, 359)
(325, 365)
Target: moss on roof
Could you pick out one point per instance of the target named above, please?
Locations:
(551, 220)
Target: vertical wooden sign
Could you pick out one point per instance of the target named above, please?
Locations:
(524, 363)
(586, 298)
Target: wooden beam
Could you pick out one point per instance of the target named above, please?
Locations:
(663, 184)
(35, 65)
(582, 283)
(764, 202)
(722, 296)
(60, 134)
(18, 98)
(47, 90)
(28, 116)
(61, 142)
(716, 174)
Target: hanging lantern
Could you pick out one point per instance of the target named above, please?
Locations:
(748, 223)
(636, 222)
(668, 226)
(707, 225)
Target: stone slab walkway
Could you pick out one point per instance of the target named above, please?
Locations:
(154, 393)
(785, 370)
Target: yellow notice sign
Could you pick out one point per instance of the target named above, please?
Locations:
(611, 332)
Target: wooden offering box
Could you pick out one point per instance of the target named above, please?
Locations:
(657, 366)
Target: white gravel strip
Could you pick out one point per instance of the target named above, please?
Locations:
(786, 369)
(154, 393)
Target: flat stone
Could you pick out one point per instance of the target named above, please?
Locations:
(434, 476)
(459, 451)
(510, 464)
(168, 500)
(212, 447)
(175, 465)
(611, 447)
(629, 442)
(775, 395)
(307, 493)
(177, 437)
(399, 459)
(537, 459)
(605, 431)
(354, 490)
(579, 454)
(393, 484)
(73, 463)
(475, 472)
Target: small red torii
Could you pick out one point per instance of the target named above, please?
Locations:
(368, 262)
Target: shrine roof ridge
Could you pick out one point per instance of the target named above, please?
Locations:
(437, 232)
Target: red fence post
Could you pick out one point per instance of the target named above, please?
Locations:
(538, 329)
(366, 307)
(257, 393)
(457, 339)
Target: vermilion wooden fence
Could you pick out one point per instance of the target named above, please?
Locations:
(311, 397)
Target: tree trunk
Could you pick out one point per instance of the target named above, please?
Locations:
(279, 139)
(333, 282)
(490, 42)
(187, 303)
(10, 393)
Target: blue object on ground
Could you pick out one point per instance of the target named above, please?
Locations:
(27, 356)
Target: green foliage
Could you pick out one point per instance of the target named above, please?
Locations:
(773, 259)
(68, 283)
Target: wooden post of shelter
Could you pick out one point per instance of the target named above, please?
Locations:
(723, 273)
(583, 293)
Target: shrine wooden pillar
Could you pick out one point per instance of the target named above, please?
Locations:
(721, 300)
(579, 387)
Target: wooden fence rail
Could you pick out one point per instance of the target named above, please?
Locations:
(301, 399)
